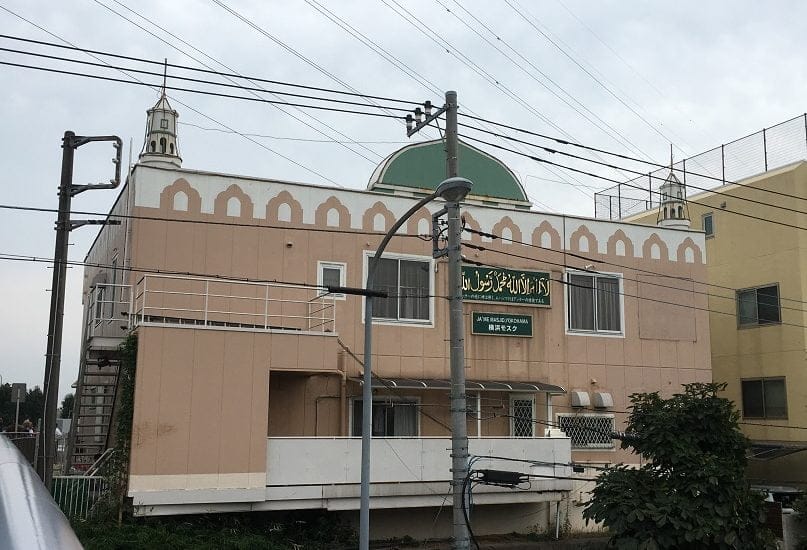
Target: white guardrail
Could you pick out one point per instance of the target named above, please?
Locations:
(213, 302)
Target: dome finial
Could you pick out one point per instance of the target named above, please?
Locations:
(165, 74)
(160, 146)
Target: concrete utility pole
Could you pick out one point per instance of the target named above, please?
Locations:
(53, 351)
(459, 427)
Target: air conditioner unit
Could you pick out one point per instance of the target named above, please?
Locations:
(603, 400)
(579, 399)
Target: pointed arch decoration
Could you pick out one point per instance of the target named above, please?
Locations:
(377, 215)
(420, 220)
(688, 252)
(655, 249)
(224, 198)
(583, 241)
(284, 208)
(508, 229)
(332, 213)
(470, 222)
(181, 185)
(620, 245)
(546, 236)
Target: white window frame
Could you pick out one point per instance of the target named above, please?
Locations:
(591, 447)
(595, 332)
(342, 267)
(428, 323)
(386, 399)
(521, 397)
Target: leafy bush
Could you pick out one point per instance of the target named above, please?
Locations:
(692, 492)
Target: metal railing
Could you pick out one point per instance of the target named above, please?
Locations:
(77, 496)
(108, 309)
(227, 303)
(29, 517)
(754, 154)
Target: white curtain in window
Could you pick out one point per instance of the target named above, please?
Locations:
(608, 315)
(581, 302)
(405, 419)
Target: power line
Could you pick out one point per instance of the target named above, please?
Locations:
(203, 92)
(208, 117)
(584, 172)
(203, 81)
(281, 109)
(615, 264)
(643, 174)
(593, 77)
(562, 141)
(620, 293)
(610, 131)
(289, 138)
(422, 237)
(197, 69)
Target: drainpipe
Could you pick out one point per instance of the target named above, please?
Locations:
(340, 365)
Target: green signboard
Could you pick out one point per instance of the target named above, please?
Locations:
(505, 285)
(501, 324)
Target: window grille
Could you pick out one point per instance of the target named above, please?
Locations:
(588, 431)
(523, 424)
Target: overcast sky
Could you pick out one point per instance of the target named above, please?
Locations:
(626, 76)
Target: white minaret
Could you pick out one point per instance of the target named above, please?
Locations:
(160, 146)
(673, 210)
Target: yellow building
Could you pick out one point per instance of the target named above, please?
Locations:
(756, 248)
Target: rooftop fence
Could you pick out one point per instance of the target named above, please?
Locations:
(748, 156)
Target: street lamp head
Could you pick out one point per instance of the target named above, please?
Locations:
(453, 189)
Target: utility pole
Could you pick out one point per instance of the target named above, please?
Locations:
(459, 427)
(53, 351)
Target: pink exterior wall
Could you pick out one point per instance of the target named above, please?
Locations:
(281, 233)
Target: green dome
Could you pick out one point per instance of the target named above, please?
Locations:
(421, 167)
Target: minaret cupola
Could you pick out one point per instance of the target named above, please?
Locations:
(160, 146)
(673, 210)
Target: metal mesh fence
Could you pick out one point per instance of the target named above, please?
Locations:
(754, 154)
(588, 431)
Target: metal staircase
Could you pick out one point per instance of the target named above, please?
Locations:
(96, 389)
(94, 411)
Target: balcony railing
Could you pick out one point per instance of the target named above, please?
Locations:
(226, 303)
(108, 310)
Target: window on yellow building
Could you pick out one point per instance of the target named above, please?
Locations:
(764, 398)
(708, 225)
(758, 306)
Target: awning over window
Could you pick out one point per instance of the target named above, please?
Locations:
(768, 450)
(470, 385)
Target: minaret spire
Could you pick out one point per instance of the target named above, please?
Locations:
(673, 210)
(165, 75)
(160, 146)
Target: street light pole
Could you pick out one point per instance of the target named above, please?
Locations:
(452, 189)
(459, 427)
